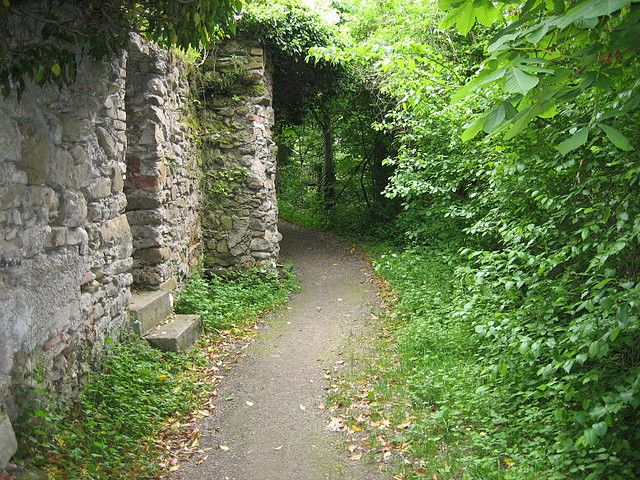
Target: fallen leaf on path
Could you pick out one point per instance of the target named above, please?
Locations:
(279, 448)
(336, 424)
(249, 404)
(224, 448)
(356, 456)
(303, 408)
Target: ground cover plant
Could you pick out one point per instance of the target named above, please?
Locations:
(112, 431)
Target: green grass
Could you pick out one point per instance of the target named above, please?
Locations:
(108, 433)
(313, 219)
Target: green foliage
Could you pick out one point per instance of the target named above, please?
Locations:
(552, 53)
(108, 433)
(459, 425)
(539, 193)
(289, 26)
(223, 301)
(224, 182)
(487, 406)
(41, 41)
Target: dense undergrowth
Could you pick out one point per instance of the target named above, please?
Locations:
(473, 415)
(110, 432)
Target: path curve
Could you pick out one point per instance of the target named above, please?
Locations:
(281, 434)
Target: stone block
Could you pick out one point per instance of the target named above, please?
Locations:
(179, 334)
(34, 153)
(142, 201)
(117, 180)
(169, 285)
(100, 188)
(149, 309)
(115, 230)
(153, 255)
(8, 443)
(72, 209)
(148, 183)
(107, 143)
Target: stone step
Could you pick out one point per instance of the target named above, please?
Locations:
(149, 309)
(178, 334)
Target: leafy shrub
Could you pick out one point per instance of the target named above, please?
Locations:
(223, 301)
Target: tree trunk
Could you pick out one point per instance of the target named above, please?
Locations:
(329, 171)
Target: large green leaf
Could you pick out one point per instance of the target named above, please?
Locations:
(497, 116)
(616, 137)
(466, 19)
(485, 12)
(578, 139)
(482, 79)
(517, 81)
(472, 130)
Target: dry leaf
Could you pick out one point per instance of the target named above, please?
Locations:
(224, 448)
(336, 424)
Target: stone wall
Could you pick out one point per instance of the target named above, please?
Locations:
(161, 184)
(238, 158)
(99, 193)
(65, 243)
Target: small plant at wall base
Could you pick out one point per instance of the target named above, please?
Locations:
(225, 301)
(108, 432)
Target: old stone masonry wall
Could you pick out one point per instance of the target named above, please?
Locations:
(65, 243)
(103, 191)
(162, 178)
(240, 213)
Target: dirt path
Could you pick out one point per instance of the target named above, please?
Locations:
(280, 434)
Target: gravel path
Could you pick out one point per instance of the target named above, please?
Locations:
(280, 433)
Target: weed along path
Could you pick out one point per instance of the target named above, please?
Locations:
(269, 423)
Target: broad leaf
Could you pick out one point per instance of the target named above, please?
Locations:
(503, 112)
(576, 140)
(616, 137)
(517, 81)
(472, 130)
(486, 13)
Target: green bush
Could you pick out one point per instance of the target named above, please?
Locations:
(107, 433)
(487, 405)
(225, 300)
